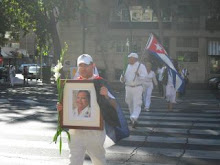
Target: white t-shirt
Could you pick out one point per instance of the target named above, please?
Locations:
(130, 74)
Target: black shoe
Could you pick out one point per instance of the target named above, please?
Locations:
(134, 124)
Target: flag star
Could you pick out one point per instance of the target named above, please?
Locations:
(158, 47)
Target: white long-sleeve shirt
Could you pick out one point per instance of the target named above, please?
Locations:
(130, 74)
(151, 77)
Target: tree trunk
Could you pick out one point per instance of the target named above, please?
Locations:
(55, 38)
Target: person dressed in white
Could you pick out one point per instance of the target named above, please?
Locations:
(83, 109)
(148, 86)
(161, 87)
(134, 76)
(90, 141)
(12, 75)
(170, 90)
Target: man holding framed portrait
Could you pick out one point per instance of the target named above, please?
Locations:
(90, 139)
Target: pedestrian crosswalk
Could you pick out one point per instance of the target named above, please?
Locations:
(162, 137)
(173, 137)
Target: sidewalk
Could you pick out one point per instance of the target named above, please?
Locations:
(18, 82)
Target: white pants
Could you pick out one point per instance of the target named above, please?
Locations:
(133, 98)
(90, 141)
(170, 93)
(12, 80)
(148, 87)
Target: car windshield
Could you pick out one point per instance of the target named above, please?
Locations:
(34, 69)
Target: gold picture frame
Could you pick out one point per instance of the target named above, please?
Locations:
(80, 107)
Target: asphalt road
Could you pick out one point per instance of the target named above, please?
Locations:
(189, 135)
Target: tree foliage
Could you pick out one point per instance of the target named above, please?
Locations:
(40, 16)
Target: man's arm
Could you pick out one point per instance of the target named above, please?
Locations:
(142, 72)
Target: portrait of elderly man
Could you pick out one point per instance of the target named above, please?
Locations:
(83, 107)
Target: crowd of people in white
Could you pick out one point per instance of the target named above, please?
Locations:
(140, 79)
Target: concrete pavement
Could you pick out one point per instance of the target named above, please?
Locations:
(189, 135)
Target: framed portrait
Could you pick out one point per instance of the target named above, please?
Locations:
(80, 107)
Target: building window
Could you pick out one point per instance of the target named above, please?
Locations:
(118, 73)
(121, 46)
(120, 15)
(187, 42)
(214, 48)
(214, 65)
(136, 46)
(187, 56)
(188, 17)
(214, 54)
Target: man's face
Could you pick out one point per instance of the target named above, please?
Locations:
(82, 100)
(148, 67)
(132, 60)
(85, 70)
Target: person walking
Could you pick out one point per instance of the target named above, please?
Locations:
(148, 85)
(170, 89)
(90, 141)
(159, 76)
(133, 78)
(25, 75)
(12, 75)
(184, 74)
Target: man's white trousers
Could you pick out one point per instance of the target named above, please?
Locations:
(87, 141)
(133, 98)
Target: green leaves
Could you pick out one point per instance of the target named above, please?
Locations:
(61, 143)
(58, 134)
(60, 88)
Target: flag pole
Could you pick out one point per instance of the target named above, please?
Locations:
(142, 55)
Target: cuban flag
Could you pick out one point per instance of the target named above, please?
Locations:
(156, 49)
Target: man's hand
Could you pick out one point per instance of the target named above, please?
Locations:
(137, 73)
(59, 107)
(104, 91)
(122, 79)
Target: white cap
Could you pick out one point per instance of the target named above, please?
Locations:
(135, 55)
(84, 58)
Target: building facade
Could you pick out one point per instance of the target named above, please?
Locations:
(109, 31)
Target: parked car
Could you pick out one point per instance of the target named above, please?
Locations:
(33, 72)
(4, 73)
(20, 69)
(214, 83)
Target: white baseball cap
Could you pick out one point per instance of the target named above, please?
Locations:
(135, 55)
(85, 59)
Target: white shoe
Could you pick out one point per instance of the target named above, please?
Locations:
(147, 109)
